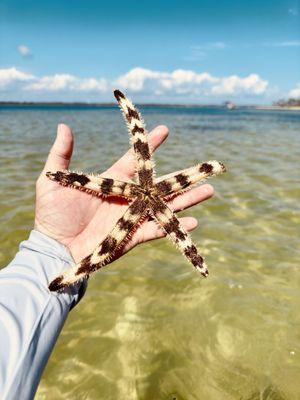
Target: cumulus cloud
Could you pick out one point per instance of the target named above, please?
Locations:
(93, 84)
(66, 82)
(136, 78)
(178, 82)
(295, 93)
(190, 83)
(150, 85)
(52, 83)
(234, 85)
(11, 76)
(24, 51)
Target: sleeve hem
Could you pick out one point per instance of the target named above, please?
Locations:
(44, 244)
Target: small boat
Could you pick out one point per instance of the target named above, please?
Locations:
(230, 105)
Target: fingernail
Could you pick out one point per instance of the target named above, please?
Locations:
(207, 188)
(160, 129)
(59, 129)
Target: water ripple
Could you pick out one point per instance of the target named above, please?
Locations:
(149, 327)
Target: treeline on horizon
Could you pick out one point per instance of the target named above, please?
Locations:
(287, 103)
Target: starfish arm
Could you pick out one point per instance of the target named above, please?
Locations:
(175, 231)
(94, 184)
(145, 167)
(185, 179)
(104, 252)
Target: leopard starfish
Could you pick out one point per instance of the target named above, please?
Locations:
(148, 198)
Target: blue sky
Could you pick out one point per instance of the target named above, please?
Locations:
(163, 51)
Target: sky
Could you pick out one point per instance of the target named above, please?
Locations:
(192, 51)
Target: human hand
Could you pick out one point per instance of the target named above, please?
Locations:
(81, 221)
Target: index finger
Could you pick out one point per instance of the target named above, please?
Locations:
(126, 164)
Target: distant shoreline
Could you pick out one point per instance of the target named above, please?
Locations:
(114, 105)
(144, 105)
(288, 108)
(105, 105)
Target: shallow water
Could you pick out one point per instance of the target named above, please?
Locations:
(148, 326)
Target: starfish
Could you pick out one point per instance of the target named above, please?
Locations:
(147, 198)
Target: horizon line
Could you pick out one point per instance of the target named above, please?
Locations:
(112, 104)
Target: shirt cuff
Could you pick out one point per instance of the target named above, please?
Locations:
(44, 258)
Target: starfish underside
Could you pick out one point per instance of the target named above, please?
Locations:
(147, 197)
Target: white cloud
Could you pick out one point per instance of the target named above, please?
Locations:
(136, 78)
(234, 85)
(187, 82)
(52, 83)
(295, 93)
(10, 76)
(66, 82)
(149, 85)
(93, 84)
(178, 81)
(24, 51)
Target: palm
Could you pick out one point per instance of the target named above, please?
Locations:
(74, 218)
(80, 221)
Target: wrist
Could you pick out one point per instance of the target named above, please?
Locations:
(42, 241)
(52, 234)
(46, 259)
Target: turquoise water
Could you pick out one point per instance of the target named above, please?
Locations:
(149, 327)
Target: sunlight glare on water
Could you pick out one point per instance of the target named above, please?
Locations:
(149, 327)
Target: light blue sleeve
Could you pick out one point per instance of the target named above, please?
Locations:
(31, 317)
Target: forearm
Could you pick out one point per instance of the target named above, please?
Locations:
(31, 317)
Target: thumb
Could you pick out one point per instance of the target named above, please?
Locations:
(61, 152)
